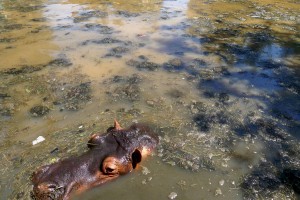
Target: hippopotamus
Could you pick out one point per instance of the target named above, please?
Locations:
(114, 153)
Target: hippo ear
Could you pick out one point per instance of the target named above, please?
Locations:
(117, 125)
(136, 157)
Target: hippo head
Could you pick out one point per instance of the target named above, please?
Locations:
(124, 148)
(115, 153)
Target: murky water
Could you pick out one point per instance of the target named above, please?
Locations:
(219, 81)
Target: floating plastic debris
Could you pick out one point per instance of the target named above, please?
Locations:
(172, 195)
(38, 140)
(221, 182)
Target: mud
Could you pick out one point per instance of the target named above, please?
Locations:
(39, 111)
(219, 82)
(144, 65)
(124, 88)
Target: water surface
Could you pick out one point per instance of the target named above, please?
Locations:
(218, 81)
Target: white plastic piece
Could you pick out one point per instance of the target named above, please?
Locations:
(38, 140)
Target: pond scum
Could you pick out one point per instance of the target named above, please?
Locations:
(218, 81)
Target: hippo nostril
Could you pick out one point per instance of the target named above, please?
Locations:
(136, 158)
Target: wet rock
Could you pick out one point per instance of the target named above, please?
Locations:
(117, 51)
(39, 111)
(291, 177)
(223, 97)
(7, 40)
(133, 63)
(93, 26)
(127, 14)
(175, 93)
(60, 62)
(259, 37)
(124, 88)
(207, 74)
(174, 64)
(118, 79)
(197, 107)
(268, 64)
(129, 91)
(165, 17)
(209, 94)
(148, 66)
(103, 41)
(199, 63)
(100, 28)
(203, 121)
(75, 96)
(263, 181)
(205, 118)
(24, 69)
(156, 102)
(226, 32)
(30, 8)
(280, 114)
(134, 112)
(42, 19)
(38, 29)
(6, 111)
(9, 27)
(84, 16)
(4, 95)
(142, 57)
(270, 130)
(133, 79)
(144, 65)
(238, 52)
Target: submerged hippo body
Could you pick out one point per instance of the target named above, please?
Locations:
(114, 153)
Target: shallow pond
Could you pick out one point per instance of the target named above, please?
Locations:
(218, 81)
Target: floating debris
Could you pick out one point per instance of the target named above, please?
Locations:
(172, 195)
(218, 192)
(221, 182)
(38, 140)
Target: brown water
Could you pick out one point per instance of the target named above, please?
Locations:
(218, 81)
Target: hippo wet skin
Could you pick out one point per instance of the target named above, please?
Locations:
(115, 153)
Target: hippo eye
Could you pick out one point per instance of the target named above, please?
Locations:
(136, 158)
(110, 166)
